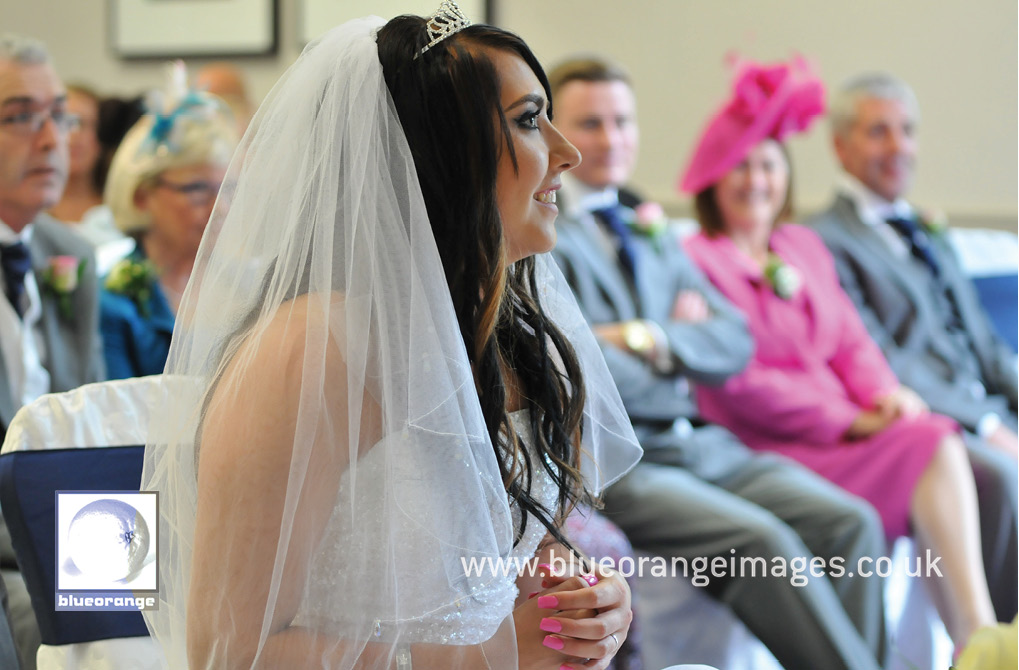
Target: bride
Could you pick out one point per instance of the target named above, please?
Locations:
(396, 393)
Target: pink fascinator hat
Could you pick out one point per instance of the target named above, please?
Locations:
(768, 101)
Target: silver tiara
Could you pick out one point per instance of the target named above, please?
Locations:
(447, 20)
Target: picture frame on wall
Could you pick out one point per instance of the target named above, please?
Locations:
(318, 16)
(193, 28)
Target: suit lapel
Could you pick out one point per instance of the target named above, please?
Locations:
(866, 237)
(7, 405)
(64, 349)
(651, 273)
(56, 345)
(971, 312)
(607, 274)
(931, 331)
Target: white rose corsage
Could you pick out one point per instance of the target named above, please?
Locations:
(134, 279)
(785, 280)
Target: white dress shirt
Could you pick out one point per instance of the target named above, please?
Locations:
(582, 200)
(874, 210)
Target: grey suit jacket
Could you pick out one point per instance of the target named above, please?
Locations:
(74, 352)
(73, 346)
(707, 352)
(897, 306)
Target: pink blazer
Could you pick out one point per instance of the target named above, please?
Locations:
(814, 368)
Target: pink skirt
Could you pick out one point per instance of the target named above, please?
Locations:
(882, 469)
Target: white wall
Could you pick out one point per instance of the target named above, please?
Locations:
(961, 59)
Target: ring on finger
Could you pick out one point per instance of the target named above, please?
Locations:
(614, 639)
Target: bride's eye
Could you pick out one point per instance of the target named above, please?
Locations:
(529, 120)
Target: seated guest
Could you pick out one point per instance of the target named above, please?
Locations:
(698, 492)
(162, 184)
(818, 389)
(92, 145)
(84, 189)
(920, 307)
(901, 271)
(49, 317)
(226, 81)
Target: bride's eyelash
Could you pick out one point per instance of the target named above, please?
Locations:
(528, 120)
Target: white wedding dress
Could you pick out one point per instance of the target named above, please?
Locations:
(484, 601)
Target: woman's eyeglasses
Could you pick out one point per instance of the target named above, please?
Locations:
(199, 192)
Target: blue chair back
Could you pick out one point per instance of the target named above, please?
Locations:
(29, 481)
(999, 294)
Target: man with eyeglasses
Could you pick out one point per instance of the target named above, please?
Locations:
(49, 312)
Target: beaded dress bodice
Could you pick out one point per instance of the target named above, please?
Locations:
(430, 612)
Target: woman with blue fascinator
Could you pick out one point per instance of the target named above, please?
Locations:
(396, 400)
(163, 181)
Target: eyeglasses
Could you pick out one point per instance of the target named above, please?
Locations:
(198, 193)
(29, 122)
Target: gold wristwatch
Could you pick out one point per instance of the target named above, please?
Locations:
(638, 338)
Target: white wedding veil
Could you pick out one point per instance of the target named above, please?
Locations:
(324, 468)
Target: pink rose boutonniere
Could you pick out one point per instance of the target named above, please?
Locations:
(649, 219)
(61, 279)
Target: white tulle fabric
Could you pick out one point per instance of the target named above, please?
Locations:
(319, 263)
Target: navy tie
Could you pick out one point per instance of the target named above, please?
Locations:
(15, 262)
(919, 243)
(614, 220)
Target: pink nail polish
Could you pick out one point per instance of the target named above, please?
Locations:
(552, 642)
(544, 583)
(548, 602)
(550, 626)
(590, 579)
(545, 566)
(532, 594)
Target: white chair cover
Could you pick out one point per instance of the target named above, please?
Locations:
(106, 414)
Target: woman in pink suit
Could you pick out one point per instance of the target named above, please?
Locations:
(818, 389)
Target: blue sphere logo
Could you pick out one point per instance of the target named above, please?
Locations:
(108, 539)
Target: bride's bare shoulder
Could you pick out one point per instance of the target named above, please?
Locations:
(269, 360)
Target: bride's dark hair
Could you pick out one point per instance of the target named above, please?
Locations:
(446, 100)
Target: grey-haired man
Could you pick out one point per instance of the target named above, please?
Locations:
(45, 348)
(919, 305)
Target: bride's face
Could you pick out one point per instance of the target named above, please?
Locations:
(525, 193)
